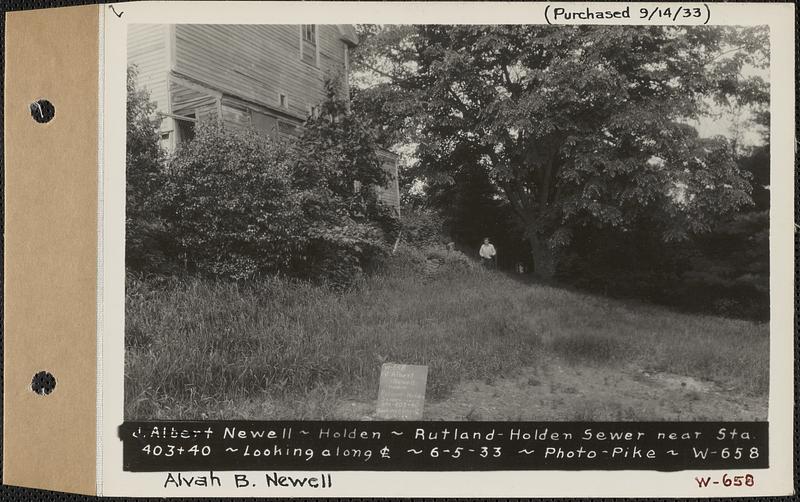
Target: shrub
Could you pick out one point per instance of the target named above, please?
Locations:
(233, 211)
(338, 254)
(147, 242)
(242, 205)
(336, 168)
(448, 260)
(338, 156)
(725, 272)
(413, 261)
(407, 261)
(235, 204)
(423, 227)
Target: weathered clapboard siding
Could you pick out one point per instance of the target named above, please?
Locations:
(148, 51)
(238, 73)
(259, 62)
(235, 115)
(190, 102)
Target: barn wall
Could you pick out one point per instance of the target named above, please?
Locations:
(148, 50)
(241, 71)
(191, 101)
(259, 62)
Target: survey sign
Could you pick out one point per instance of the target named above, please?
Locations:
(401, 395)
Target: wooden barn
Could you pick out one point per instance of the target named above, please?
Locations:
(270, 77)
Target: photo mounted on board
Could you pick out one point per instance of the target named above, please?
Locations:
(447, 222)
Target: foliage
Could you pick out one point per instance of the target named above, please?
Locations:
(423, 227)
(756, 164)
(472, 211)
(579, 125)
(241, 207)
(339, 157)
(724, 271)
(236, 204)
(232, 209)
(147, 245)
(447, 260)
(392, 115)
(732, 267)
(337, 170)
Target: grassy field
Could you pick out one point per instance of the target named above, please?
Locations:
(279, 349)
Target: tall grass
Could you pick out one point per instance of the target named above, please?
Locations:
(279, 348)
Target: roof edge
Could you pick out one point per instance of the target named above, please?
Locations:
(348, 33)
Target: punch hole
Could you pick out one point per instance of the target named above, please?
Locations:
(43, 383)
(42, 111)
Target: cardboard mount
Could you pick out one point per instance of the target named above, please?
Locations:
(51, 240)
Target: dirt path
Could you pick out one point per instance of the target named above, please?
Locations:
(563, 392)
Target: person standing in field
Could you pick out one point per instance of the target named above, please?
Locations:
(487, 253)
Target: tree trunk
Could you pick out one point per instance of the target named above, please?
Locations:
(544, 260)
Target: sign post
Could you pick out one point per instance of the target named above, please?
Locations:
(401, 395)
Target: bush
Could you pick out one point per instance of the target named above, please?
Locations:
(236, 204)
(406, 261)
(339, 254)
(232, 209)
(448, 260)
(147, 242)
(240, 208)
(423, 227)
(335, 168)
(338, 156)
(725, 272)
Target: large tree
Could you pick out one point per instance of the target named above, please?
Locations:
(574, 125)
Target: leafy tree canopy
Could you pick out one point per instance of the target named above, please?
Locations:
(574, 125)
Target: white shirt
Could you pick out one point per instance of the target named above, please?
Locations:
(487, 251)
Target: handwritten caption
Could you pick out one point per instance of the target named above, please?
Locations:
(395, 445)
(672, 13)
(324, 480)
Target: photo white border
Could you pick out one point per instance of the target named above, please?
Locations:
(112, 481)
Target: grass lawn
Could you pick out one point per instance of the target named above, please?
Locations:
(278, 349)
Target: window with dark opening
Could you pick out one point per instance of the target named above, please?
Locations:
(264, 123)
(186, 128)
(308, 49)
(310, 33)
(288, 130)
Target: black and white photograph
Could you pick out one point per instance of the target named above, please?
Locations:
(439, 222)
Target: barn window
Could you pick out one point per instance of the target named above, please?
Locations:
(284, 101)
(310, 33)
(186, 127)
(236, 115)
(308, 44)
(288, 130)
(265, 123)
